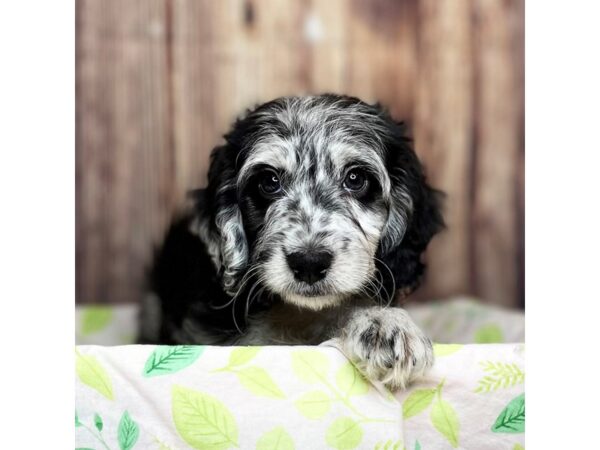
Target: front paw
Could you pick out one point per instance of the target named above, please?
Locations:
(387, 346)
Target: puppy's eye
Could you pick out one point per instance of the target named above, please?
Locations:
(356, 181)
(269, 184)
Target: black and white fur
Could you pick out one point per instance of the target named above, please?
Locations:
(322, 257)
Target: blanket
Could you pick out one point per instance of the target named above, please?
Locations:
(300, 397)
(202, 397)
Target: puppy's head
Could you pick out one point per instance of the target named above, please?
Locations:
(317, 199)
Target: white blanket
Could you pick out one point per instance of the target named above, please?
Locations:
(146, 397)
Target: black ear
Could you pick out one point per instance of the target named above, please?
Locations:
(220, 220)
(415, 216)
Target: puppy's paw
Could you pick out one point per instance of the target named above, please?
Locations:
(387, 346)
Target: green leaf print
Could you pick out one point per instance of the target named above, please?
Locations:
(344, 434)
(259, 382)
(166, 359)
(489, 334)
(388, 445)
(445, 420)
(95, 318)
(501, 375)
(242, 355)
(314, 405)
(512, 418)
(91, 373)
(445, 349)
(417, 445)
(128, 432)
(77, 422)
(202, 420)
(518, 447)
(276, 439)
(350, 381)
(417, 401)
(98, 422)
(311, 366)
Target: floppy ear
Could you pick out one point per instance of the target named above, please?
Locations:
(414, 216)
(221, 219)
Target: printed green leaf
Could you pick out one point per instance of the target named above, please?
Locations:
(259, 382)
(276, 439)
(445, 420)
(95, 318)
(166, 359)
(311, 366)
(344, 434)
(127, 432)
(242, 355)
(445, 349)
(512, 418)
(388, 445)
(417, 401)
(91, 373)
(501, 375)
(489, 334)
(314, 405)
(98, 422)
(202, 420)
(417, 445)
(518, 447)
(350, 381)
(77, 422)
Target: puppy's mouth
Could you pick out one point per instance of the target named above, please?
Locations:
(313, 301)
(310, 290)
(313, 296)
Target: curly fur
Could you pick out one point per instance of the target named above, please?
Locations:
(221, 276)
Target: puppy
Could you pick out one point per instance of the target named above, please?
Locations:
(316, 213)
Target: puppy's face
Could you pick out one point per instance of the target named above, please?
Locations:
(314, 207)
(317, 200)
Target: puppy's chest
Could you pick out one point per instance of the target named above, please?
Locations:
(289, 326)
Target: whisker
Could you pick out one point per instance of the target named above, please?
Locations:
(245, 279)
(382, 285)
(249, 298)
(391, 298)
(234, 319)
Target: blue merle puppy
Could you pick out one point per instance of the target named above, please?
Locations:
(315, 215)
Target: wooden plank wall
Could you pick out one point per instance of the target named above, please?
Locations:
(159, 81)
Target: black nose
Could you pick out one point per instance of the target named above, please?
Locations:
(310, 266)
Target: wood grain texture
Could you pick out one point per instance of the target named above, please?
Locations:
(443, 133)
(160, 81)
(122, 163)
(497, 224)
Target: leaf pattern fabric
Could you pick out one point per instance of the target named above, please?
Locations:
(230, 397)
(91, 373)
(95, 319)
(499, 375)
(203, 421)
(293, 398)
(512, 418)
(473, 398)
(168, 359)
(128, 432)
(182, 397)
